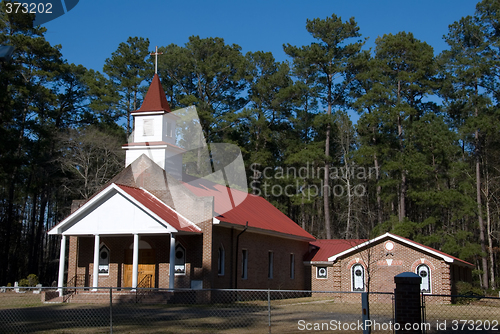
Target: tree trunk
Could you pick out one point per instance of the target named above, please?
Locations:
(482, 240)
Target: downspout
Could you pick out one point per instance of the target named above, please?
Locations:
(236, 266)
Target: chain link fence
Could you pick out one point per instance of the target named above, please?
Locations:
(461, 314)
(122, 310)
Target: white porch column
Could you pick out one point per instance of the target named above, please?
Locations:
(135, 261)
(62, 260)
(95, 274)
(172, 262)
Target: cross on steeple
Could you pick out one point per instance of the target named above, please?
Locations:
(156, 53)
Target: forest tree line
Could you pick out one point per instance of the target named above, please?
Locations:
(422, 161)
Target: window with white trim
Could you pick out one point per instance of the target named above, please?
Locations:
(321, 272)
(244, 264)
(148, 127)
(104, 260)
(358, 277)
(169, 129)
(424, 272)
(270, 267)
(180, 260)
(221, 261)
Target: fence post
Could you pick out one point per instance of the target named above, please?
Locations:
(365, 316)
(269, 308)
(111, 310)
(407, 311)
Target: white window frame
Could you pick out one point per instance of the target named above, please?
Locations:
(318, 270)
(169, 129)
(105, 263)
(429, 281)
(182, 266)
(363, 273)
(148, 129)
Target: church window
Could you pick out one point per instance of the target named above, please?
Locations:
(180, 260)
(148, 127)
(425, 273)
(244, 264)
(270, 267)
(221, 261)
(104, 260)
(292, 266)
(321, 272)
(169, 129)
(358, 277)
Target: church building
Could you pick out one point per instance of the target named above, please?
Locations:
(153, 226)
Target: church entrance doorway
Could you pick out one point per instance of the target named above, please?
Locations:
(146, 268)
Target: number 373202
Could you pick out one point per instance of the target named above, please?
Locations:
(25, 8)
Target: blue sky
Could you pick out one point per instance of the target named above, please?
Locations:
(92, 30)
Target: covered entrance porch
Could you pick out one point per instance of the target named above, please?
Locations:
(134, 239)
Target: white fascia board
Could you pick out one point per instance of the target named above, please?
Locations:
(425, 249)
(147, 113)
(57, 230)
(142, 147)
(395, 237)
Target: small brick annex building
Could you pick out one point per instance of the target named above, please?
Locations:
(352, 265)
(154, 226)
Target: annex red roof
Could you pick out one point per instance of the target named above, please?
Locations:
(324, 248)
(259, 213)
(160, 209)
(155, 99)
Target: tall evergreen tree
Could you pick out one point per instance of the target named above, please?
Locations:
(128, 68)
(328, 57)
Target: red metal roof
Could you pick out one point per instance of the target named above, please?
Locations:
(160, 209)
(324, 248)
(259, 213)
(155, 99)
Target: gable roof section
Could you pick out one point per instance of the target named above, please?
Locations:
(161, 209)
(155, 99)
(261, 215)
(149, 207)
(446, 257)
(324, 248)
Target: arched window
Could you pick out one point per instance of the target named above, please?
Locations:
(104, 260)
(425, 273)
(221, 261)
(180, 260)
(358, 277)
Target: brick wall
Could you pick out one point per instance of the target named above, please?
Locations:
(258, 247)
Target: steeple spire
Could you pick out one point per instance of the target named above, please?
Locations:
(155, 99)
(156, 53)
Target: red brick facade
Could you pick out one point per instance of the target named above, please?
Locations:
(202, 259)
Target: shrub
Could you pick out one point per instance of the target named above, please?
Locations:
(33, 279)
(24, 282)
(467, 289)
